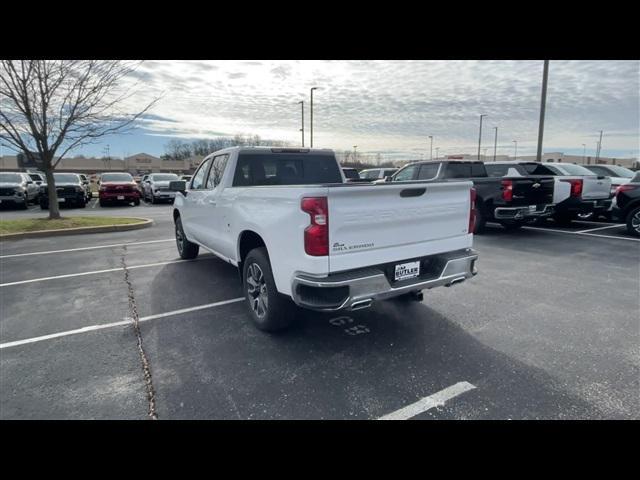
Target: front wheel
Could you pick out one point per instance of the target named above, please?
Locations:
(269, 310)
(186, 249)
(633, 222)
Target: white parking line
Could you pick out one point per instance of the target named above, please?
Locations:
(436, 400)
(581, 233)
(85, 248)
(601, 228)
(96, 272)
(93, 328)
(94, 203)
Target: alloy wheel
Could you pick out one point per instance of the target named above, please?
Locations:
(257, 290)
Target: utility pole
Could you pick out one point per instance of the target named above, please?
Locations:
(311, 124)
(480, 135)
(431, 148)
(599, 148)
(515, 157)
(301, 102)
(543, 102)
(495, 144)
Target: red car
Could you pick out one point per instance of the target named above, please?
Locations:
(118, 187)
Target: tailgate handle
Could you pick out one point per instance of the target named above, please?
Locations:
(412, 192)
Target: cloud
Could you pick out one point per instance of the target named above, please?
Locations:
(395, 105)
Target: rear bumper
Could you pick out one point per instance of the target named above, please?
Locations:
(113, 197)
(522, 213)
(576, 205)
(358, 288)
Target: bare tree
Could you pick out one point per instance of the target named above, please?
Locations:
(50, 107)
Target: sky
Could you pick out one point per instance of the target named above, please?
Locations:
(388, 107)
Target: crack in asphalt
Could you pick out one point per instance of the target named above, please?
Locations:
(135, 319)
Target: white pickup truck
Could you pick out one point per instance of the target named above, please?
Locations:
(297, 231)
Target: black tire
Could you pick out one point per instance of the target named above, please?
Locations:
(481, 222)
(44, 206)
(83, 203)
(278, 312)
(511, 225)
(25, 205)
(634, 217)
(186, 249)
(564, 219)
(153, 198)
(102, 203)
(136, 202)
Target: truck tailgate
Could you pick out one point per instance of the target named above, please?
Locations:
(594, 188)
(532, 190)
(374, 224)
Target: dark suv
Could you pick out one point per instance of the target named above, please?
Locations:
(627, 205)
(69, 190)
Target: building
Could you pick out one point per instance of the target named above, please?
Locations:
(138, 164)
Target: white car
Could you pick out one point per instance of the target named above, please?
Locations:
(377, 173)
(155, 187)
(619, 175)
(300, 234)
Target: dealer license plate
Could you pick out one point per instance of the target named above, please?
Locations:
(120, 197)
(408, 270)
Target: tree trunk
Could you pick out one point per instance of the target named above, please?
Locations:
(54, 209)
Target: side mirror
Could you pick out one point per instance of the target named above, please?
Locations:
(178, 186)
(98, 182)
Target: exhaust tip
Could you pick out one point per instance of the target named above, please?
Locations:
(455, 280)
(361, 304)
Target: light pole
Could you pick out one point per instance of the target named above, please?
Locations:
(312, 89)
(543, 102)
(584, 153)
(480, 136)
(599, 148)
(431, 148)
(354, 153)
(515, 157)
(495, 144)
(301, 102)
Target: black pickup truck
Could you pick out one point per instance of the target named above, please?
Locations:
(510, 201)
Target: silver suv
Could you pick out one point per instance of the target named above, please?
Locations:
(17, 188)
(155, 187)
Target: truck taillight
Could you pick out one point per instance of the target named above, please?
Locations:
(507, 190)
(576, 186)
(472, 210)
(316, 235)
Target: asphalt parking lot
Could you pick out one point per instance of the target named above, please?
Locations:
(548, 329)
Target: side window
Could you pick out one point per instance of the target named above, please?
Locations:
(217, 169)
(197, 182)
(372, 174)
(458, 170)
(478, 170)
(406, 174)
(428, 171)
(497, 170)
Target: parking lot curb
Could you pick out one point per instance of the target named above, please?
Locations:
(144, 223)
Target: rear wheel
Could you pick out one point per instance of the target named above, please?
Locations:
(269, 310)
(564, 219)
(25, 205)
(633, 222)
(186, 249)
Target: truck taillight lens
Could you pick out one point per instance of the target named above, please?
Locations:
(472, 210)
(576, 186)
(316, 235)
(507, 190)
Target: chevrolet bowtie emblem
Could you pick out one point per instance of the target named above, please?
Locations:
(535, 185)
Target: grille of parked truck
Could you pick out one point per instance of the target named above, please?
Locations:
(299, 234)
